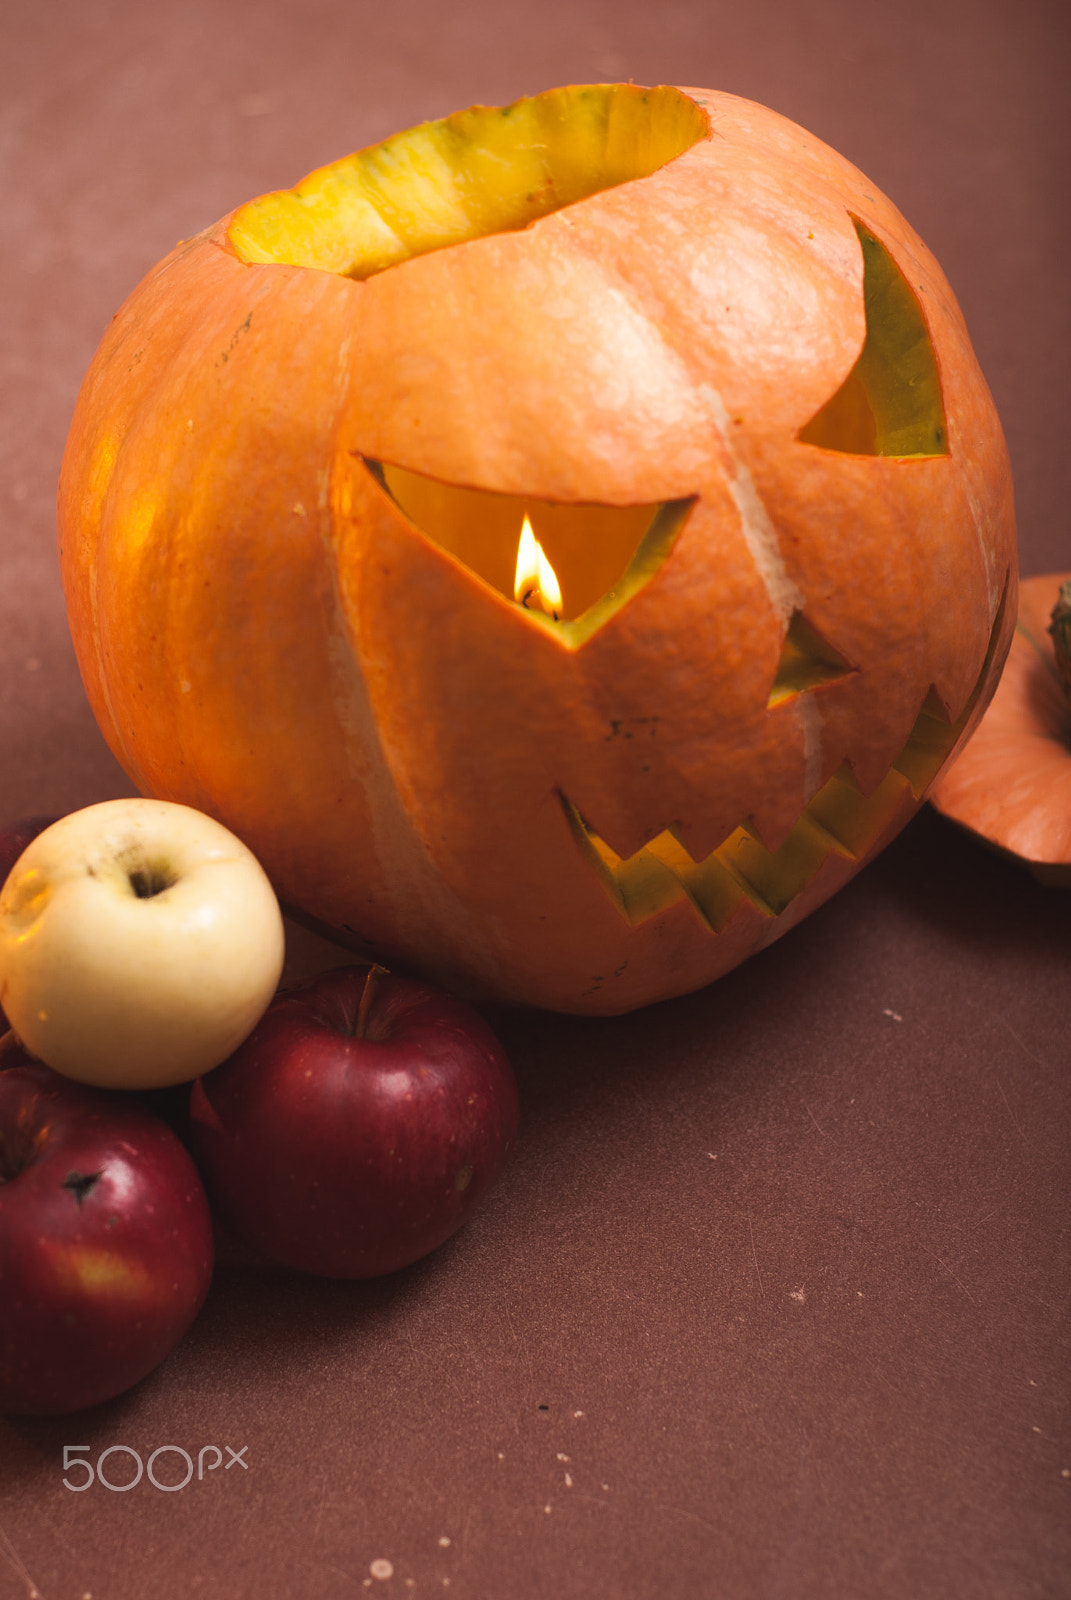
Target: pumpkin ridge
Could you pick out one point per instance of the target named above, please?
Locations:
(758, 526)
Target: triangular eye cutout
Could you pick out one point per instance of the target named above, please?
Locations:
(807, 660)
(568, 566)
(890, 403)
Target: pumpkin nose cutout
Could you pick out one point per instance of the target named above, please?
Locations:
(598, 555)
(807, 662)
(890, 403)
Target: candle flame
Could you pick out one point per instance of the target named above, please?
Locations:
(536, 582)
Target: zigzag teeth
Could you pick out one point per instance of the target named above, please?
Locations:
(839, 820)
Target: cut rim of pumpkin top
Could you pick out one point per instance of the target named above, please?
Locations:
(490, 169)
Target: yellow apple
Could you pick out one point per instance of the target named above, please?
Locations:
(140, 942)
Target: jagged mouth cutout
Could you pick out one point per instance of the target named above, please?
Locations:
(839, 820)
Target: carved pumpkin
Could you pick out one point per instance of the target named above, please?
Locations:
(564, 541)
(1011, 784)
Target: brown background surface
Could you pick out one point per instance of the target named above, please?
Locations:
(772, 1301)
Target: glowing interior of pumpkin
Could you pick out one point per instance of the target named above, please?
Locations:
(890, 403)
(600, 555)
(490, 169)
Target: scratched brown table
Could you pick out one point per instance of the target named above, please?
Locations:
(773, 1299)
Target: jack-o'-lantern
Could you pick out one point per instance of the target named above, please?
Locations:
(564, 541)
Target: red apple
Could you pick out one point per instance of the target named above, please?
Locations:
(358, 1126)
(13, 841)
(105, 1240)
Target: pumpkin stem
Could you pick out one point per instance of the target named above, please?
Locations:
(1060, 628)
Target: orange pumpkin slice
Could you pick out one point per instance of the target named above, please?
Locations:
(1012, 783)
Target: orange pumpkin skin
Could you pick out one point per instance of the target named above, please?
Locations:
(263, 634)
(1011, 784)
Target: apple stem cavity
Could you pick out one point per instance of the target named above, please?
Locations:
(150, 880)
(81, 1184)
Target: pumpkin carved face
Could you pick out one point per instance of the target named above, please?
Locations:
(564, 542)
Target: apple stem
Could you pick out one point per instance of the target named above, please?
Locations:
(367, 994)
